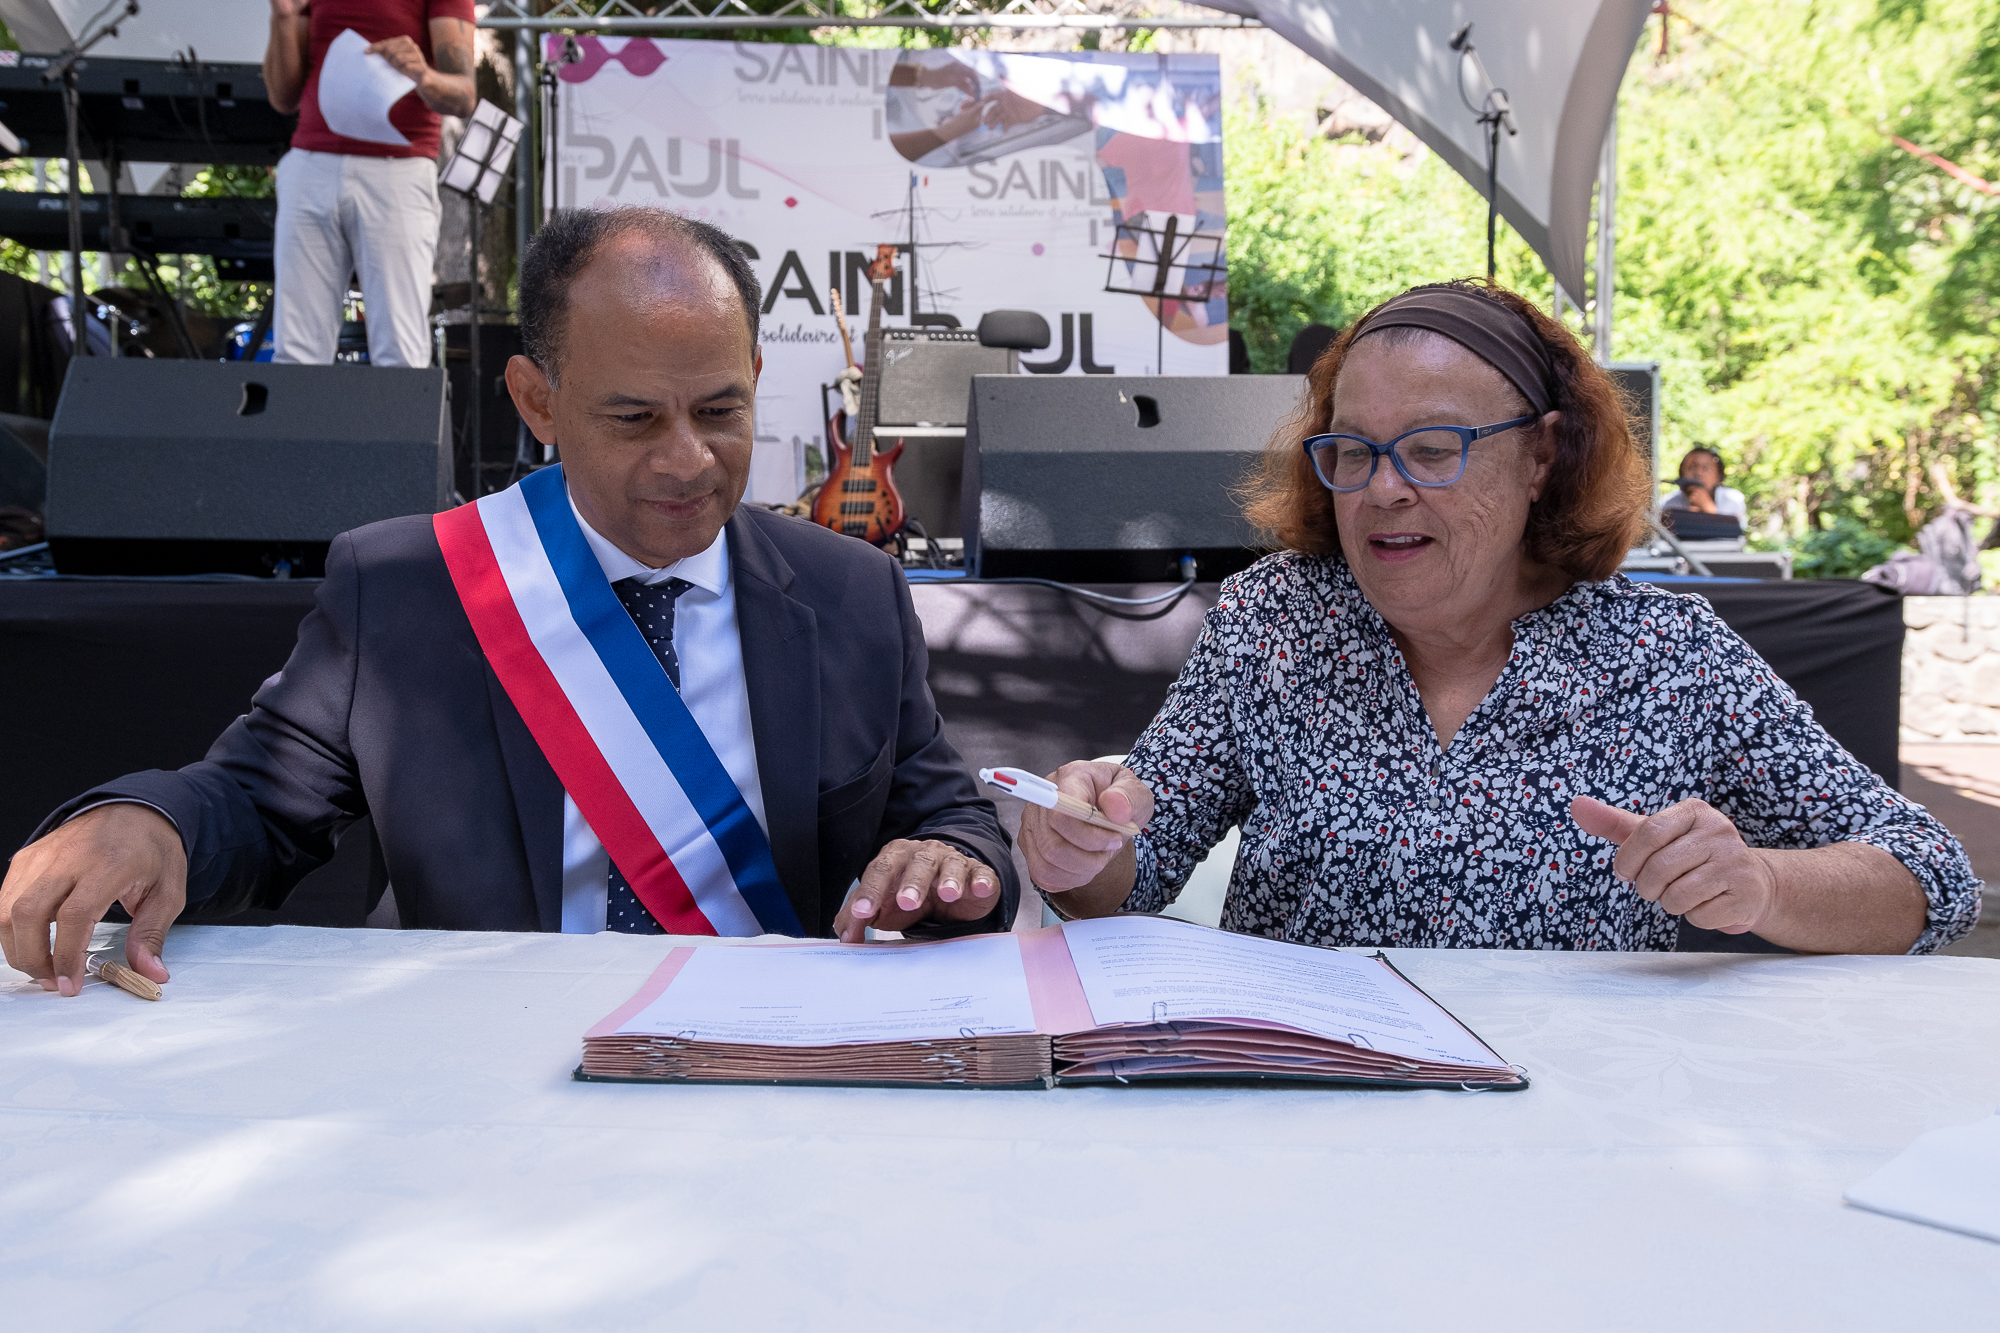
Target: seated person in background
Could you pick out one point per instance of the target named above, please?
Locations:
(1701, 489)
(608, 697)
(1442, 719)
(1308, 345)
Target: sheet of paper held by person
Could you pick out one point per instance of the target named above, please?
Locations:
(1138, 969)
(822, 995)
(356, 91)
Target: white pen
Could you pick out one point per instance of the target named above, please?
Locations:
(1040, 791)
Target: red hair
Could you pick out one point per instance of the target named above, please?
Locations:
(1592, 507)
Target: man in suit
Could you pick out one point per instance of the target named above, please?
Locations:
(796, 651)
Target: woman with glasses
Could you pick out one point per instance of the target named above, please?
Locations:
(1441, 718)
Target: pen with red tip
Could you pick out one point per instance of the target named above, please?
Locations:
(1040, 791)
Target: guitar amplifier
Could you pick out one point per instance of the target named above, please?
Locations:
(1112, 478)
(927, 375)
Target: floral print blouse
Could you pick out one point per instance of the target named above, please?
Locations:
(1296, 718)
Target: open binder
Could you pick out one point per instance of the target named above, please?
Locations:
(1126, 999)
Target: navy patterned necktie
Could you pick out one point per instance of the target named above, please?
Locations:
(651, 606)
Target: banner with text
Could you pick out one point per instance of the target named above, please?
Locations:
(1086, 187)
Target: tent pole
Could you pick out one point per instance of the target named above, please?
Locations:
(1607, 238)
(527, 188)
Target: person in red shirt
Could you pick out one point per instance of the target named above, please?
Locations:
(351, 206)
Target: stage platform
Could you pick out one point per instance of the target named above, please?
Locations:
(104, 676)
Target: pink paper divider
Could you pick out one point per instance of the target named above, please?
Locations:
(663, 977)
(1053, 988)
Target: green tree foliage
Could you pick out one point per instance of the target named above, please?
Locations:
(1846, 548)
(1823, 301)
(1319, 232)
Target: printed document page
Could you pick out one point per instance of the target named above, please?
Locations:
(1143, 969)
(356, 91)
(827, 995)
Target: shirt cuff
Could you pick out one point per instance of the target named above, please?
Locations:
(1951, 901)
(125, 800)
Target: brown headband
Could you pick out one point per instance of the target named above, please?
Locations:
(1484, 327)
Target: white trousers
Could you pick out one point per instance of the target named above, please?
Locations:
(339, 215)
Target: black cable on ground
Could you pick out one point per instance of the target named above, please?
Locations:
(1105, 600)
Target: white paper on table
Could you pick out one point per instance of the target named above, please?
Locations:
(1948, 1178)
(356, 91)
(824, 995)
(1141, 969)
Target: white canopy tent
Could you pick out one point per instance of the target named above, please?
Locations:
(216, 30)
(1560, 62)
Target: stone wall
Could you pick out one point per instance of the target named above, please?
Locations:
(1951, 669)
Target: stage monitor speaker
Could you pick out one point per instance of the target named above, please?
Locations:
(1113, 478)
(927, 373)
(205, 467)
(1639, 383)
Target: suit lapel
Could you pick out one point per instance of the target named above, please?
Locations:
(781, 671)
(538, 803)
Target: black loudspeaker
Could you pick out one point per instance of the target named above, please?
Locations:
(1639, 383)
(926, 374)
(202, 467)
(1113, 478)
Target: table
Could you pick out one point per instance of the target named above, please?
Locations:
(325, 1129)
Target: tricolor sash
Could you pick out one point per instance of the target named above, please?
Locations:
(612, 725)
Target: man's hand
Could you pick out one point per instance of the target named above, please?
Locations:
(908, 882)
(404, 55)
(120, 853)
(1063, 852)
(1689, 859)
(448, 87)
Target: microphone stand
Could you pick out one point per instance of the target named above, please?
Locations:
(65, 69)
(1665, 534)
(1493, 113)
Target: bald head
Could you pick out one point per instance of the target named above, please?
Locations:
(646, 254)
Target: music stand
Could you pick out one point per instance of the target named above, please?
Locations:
(1168, 262)
(485, 154)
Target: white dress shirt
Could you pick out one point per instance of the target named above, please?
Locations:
(1728, 500)
(710, 653)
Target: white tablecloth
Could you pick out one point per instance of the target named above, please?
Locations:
(377, 1130)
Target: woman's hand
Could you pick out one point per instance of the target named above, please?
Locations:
(1689, 859)
(910, 881)
(1066, 855)
(1846, 897)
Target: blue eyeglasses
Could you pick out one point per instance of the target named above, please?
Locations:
(1430, 456)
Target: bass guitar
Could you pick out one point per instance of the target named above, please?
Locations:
(859, 496)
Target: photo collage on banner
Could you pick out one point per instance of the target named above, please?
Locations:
(1050, 183)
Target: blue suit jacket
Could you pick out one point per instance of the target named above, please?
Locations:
(387, 707)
